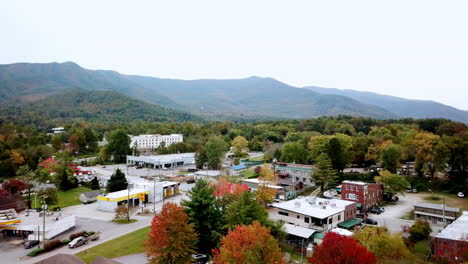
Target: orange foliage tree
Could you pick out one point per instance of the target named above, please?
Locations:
(336, 248)
(248, 244)
(265, 194)
(171, 239)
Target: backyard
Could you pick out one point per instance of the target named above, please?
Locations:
(65, 199)
(130, 243)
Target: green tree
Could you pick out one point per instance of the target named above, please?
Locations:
(294, 152)
(215, 148)
(200, 158)
(95, 184)
(204, 215)
(50, 194)
(420, 230)
(337, 154)
(91, 140)
(63, 175)
(245, 211)
(393, 183)
(390, 156)
(119, 146)
(117, 182)
(324, 174)
(56, 142)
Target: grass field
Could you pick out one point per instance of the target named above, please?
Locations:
(451, 200)
(130, 243)
(259, 158)
(65, 199)
(249, 173)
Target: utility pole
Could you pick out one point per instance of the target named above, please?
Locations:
(443, 212)
(128, 202)
(44, 209)
(154, 195)
(302, 251)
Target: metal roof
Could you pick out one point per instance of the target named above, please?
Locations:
(437, 207)
(238, 167)
(299, 231)
(456, 230)
(350, 223)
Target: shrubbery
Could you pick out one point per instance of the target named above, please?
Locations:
(78, 234)
(36, 252)
(420, 230)
(53, 244)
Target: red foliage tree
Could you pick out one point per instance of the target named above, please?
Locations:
(336, 248)
(171, 239)
(248, 244)
(4, 193)
(14, 186)
(223, 187)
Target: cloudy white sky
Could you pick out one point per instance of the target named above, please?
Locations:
(409, 48)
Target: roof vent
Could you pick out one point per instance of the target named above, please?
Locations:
(324, 207)
(297, 204)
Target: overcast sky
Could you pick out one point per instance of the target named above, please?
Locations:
(412, 49)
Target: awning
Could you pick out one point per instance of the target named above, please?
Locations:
(359, 205)
(342, 231)
(299, 231)
(350, 223)
(319, 235)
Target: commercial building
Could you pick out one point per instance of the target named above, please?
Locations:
(9, 217)
(314, 213)
(296, 173)
(168, 161)
(452, 242)
(154, 141)
(366, 195)
(435, 213)
(109, 202)
(158, 190)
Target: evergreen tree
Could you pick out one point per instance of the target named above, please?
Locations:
(117, 182)
(204, 215)
(95, 184)
(244, 211)
(336, 154)
(324, 174)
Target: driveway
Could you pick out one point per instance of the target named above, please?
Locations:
(392, 217)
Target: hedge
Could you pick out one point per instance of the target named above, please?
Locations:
(75, 235)
(36, 252)
(53, 244)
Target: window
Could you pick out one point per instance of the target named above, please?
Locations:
(298, 217)
(330, 220)
(357, 188)
(303, 179)
(347, 187)
(352, 187)
(339, 217)
(297, 178)
(283, 213)
(306, 219)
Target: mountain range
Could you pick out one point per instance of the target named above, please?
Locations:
(47, 86)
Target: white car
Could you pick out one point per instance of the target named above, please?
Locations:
(461, 195)
(78, 242)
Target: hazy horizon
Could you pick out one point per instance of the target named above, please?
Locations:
(414, 50)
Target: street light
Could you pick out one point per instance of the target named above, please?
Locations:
(44, 209)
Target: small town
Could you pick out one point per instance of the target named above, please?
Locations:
(234, 132)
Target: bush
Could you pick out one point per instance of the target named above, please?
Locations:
(90, 233)
(75, 235)
(53, 244)
(65, 241)
(35, 252)
(420, 230)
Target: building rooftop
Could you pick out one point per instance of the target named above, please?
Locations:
(163, 158)
(257, 181)
(314, 207)
(456, 230)
(299, 231)
(238, 167)
(293, 168)
(437, 207)
(123, 193)
(355, 182)
(211, 173)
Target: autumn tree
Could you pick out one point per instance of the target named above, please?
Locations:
(117, 181)
(248, 244)
(227, 192)
(324, 174)
(240, 145)
(172, 240)
(420, 230)
(336, 248)
(431, 152)
(204, 215)
(14, 186)
(265, 194)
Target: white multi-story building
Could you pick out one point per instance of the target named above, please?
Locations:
(154, 141)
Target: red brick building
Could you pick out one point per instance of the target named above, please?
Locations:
(452, 242)
(366, 195)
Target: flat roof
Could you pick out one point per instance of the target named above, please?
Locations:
(341, 231)
(162, 158)
(293, 168)
(212, 173)
(314, 207)
(299, 231)
(257, 181)
(122, 193)
(456, 230)
(438, 207)
(355, 182)
(350, 223)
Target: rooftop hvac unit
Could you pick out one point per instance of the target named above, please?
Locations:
(297, 204)
(333, 205)
(320, 203)
(324, 207)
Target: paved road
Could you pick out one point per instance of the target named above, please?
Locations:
(109, 231)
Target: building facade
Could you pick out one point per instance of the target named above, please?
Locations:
(297, 173)
(154, 141)
(367, 195)
(452, 242)
(435, 213)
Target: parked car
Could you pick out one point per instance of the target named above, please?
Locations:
(79, 241)
(199, 258)
(31, 243)
(362, 216)
(460, 194)
(191, 181)
(139, 167)
(381, 209)
(375, 210)
(395, 199)
(94, 236)
(415, 190)
(370, 221)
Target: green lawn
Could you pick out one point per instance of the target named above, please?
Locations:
(259, 158)
(422, 248)
(451, 200)
(249, 173)
(130, 243)
(65, 199)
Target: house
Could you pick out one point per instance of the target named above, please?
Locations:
(89, 197)
(48, 163)
(238, 168)
(452, 242)
(295, 172)
(254, 184)
(207, 174)
(367, 195)
(313, 213)
(435, 213)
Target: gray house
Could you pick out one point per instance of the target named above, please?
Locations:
(89, 197)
